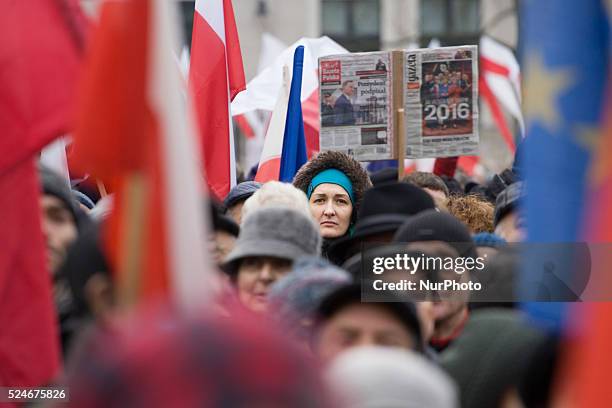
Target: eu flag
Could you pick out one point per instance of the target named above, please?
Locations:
(565, 47)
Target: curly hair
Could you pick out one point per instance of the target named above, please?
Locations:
(475, 212)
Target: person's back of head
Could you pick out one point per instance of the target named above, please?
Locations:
(489, 360)
(426, 180)
(475, 212)
(166, 359)
(296, 297)
(277, 194)
(431, 225)
(385, 377)
(235, 199)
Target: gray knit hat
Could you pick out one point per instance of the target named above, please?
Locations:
(296, 296)
(277, 232)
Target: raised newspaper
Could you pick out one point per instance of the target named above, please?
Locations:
(441, 102)
(356, 104)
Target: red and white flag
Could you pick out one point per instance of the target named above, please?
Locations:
(500, 85)
(135, 133)
(254, 123)
(269, 162)
(263, 90)
(216, 76)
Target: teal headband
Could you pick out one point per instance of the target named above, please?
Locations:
(332, 176)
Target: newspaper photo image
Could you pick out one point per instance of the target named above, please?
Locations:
(355, 104)
(441, 98)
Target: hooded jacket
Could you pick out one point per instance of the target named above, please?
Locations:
(335, 160)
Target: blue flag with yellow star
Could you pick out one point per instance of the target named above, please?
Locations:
(565, 51)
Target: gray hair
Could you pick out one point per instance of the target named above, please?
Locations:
(277, 194)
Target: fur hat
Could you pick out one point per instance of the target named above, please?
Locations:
(335, 160)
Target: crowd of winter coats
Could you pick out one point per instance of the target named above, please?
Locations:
(288, 325)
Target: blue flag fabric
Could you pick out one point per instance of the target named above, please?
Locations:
(294, 142)
(565, 48)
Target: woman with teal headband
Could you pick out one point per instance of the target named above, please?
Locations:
(334, 184)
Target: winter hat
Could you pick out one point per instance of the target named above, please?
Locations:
(295, 297)
(335, 160)
(508, 200)
(350, 294)
(163, 359)
(275, 232)
(382, 176)
(241, 192)
(432, 225)
(55, 185)
(490, 356)
(377, 377)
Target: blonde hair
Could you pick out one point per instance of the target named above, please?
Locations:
(277, 194)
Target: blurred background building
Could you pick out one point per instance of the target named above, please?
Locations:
(370, 25)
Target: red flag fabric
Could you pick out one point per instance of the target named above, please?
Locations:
(134, 133)
(445, 166)
(29, 339)
(39, 61)
(216, 75)
(116, 138)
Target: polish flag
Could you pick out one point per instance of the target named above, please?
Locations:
(269, 163)
(134, 131)
(250, 123)
(263, 90)
(500, 85)
(286, 140)
(216, 76)
(254, 124)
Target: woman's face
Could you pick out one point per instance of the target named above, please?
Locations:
(331, 207)
(255, 277)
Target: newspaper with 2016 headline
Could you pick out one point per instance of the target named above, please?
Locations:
(441, 102)
(356, 104)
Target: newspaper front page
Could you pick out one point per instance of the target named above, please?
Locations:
(356, 105)
(441, 102)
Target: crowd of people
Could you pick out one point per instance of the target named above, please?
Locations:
(289, 327)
